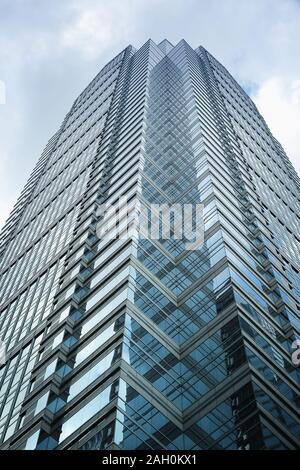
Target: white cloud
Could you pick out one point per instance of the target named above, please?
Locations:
(49, 51)
(278, 100)
(96, 26)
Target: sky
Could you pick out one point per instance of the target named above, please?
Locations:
(51, 49)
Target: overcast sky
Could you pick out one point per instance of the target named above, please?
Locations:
(51, 49)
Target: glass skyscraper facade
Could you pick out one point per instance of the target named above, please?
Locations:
(141, 343)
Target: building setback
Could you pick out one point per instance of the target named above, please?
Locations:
(140, 343)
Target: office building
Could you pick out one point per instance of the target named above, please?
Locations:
(141, 343)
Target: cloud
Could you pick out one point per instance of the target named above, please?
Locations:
(278, 100)
(49, 51)
(96, 26)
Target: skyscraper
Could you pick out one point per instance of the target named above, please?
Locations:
(143, 343)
